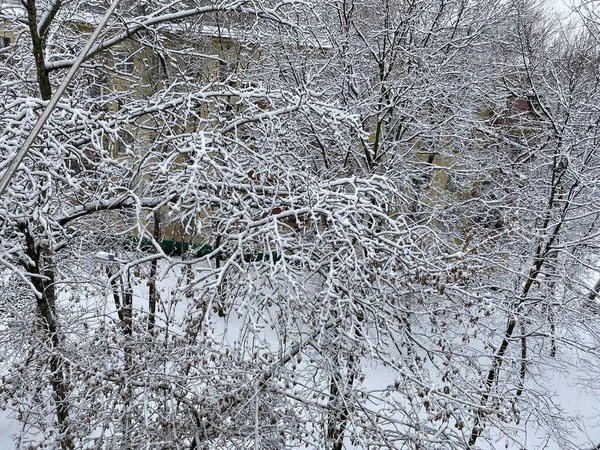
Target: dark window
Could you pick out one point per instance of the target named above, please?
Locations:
(492, 220)
(124, 62)
(124, 142)
(95, 89)
(158, 69)
(194, 66)
(456, 182)
(4, 42)
(97, 83)
(226, 70)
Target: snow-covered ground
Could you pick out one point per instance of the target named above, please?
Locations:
(580, 403)
(8, 428)
(583, 407)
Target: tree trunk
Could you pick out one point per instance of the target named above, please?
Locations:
(38, 50)
(44, 282)
(153, 296)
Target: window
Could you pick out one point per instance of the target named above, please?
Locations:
(4, 42)
(456, 182)
(158, 68)
(97, 88)
(226, 70)
(125, 142)
(194, 67)
(124, 62)
(492, 220)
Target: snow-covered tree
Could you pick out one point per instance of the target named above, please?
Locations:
(402, 187)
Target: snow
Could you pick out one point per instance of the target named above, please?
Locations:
(578, 402)
(8, 427)
(232, 161)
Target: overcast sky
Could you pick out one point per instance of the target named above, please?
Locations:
(561, 6)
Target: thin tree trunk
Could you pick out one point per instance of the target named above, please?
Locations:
(338, 418)
(44, 282)
(38, 50)
(153, 295)
(338, 393)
